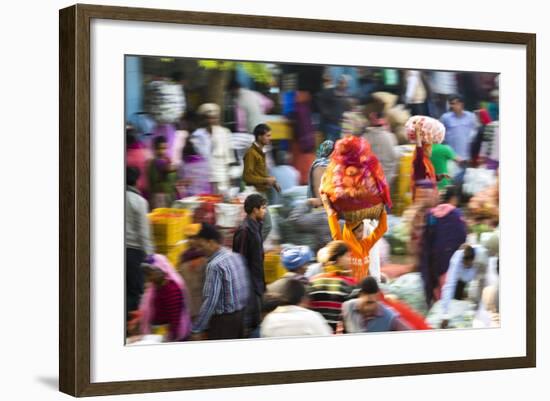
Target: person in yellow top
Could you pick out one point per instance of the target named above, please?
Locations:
(352, 235)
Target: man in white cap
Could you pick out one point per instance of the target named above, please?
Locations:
(213, 143)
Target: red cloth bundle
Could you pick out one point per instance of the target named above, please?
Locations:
(354, 181)
(415, 320)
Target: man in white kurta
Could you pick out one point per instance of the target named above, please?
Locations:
(213, 142)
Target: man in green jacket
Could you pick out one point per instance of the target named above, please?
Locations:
(255, 169)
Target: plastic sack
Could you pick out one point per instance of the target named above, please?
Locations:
(412, 318)
(229, 214)
(461, 314)
(409, 288)
(191, 203)
(165, 101)
(478, 179)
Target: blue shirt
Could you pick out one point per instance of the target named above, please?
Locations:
(459, 131)
(384, 319)
(287, 176)
(226, 287)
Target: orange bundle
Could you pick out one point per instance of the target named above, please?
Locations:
(211, 198)
(354, 181)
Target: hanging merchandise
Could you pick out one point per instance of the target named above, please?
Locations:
(165, 101)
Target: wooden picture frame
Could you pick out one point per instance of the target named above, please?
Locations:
(75, 200)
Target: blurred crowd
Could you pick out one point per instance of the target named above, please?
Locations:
(228, 235)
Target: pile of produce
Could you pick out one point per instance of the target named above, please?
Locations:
(461, 314)
(409, 288)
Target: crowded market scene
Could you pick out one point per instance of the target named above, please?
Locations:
(287, 200)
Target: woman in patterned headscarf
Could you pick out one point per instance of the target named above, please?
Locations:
(424, 131)
(318, 168)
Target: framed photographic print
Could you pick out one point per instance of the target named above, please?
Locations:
(250, 200)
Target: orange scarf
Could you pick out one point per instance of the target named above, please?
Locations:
(428, 167)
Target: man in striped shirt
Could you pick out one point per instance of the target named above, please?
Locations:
(329, 290)
(226, 289)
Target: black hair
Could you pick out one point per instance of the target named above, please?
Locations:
(209, 232)
(132, 176)
(233, 84)
(469, 252)
(369, 286)
(190, 120)
(130, 135)
(293, 292)
(270, 302)
(261, 129)
(456, 96)
(189, 149)
(254, 201)
(450, 192)
(158, 140)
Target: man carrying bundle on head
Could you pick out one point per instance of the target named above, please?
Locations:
(354, 186)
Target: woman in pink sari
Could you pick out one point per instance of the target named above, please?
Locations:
(165, 301)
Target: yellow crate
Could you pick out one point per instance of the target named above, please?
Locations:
(174, 254)
(281, 129)
(177, 212)
(163, 249)
(273, 268)
(402, 196)
(168, 225)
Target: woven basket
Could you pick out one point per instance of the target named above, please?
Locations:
(362, 214)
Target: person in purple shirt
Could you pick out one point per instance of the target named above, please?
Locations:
(460, 127)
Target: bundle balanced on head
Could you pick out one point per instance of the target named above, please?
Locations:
(354, 186)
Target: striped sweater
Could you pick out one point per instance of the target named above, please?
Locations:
(169, 303)
(328, 291)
